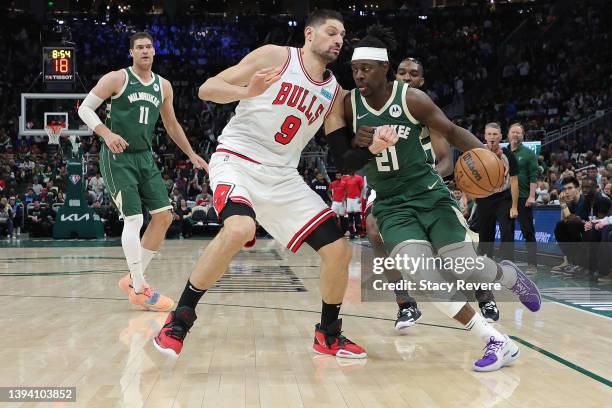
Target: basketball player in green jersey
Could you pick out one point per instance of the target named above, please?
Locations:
(415, 212)
(439, 155)
(137, 98)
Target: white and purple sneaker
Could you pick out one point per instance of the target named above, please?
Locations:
(498, 353)
(525, 289)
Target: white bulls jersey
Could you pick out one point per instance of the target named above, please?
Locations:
(274, 127)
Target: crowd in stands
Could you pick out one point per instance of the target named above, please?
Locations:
(477, 63)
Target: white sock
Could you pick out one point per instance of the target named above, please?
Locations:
(130, 241)
(508, 278)
(147, 255)
(479, 326)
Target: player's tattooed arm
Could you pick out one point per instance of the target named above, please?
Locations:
(428, 114)
(250, 77)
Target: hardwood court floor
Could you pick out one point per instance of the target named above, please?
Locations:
(66, 323)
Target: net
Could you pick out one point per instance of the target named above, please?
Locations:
(54, 131)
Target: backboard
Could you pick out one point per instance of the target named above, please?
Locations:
(40, 109)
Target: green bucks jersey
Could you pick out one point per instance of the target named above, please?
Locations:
(407, 167)
(133, 112)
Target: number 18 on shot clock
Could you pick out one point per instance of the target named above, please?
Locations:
(58, 64)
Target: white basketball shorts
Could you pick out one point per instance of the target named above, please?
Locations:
(283, 203)
(353, 205)
(338, 208)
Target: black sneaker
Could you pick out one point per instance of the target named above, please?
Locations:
(489, 311)
(407, 316)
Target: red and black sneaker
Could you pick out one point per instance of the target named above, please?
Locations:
(331, 341)
(170, 339)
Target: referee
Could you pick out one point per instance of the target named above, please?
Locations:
(500, 207)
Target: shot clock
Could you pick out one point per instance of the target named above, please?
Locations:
(59, 64)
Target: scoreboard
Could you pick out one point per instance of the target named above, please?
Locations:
(59, 64)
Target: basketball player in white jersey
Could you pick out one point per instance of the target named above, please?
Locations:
(253, 173)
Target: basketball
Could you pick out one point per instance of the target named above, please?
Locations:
(479, 172)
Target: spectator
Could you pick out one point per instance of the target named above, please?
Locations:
(96, 184)
(184, 214)
(599, 207)
(176, 196)
(580, 205)
(18, 211)
(607, 191)
(194, 189)
(320, 186)
(60, 197)
(37, 187)
(168, 182)
(41, 220)
(6, 218)
(47, 197)
(30, 196)
(554, 198)
(569, 230)
(204, 198)
(605, 253)
(542, 194)
(176, 227)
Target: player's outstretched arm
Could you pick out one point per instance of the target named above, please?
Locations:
(107, 86)
(250, 77)
(427, 113)
(174, 128)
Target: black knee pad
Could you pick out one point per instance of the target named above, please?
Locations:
(232, 208)
(324, 234)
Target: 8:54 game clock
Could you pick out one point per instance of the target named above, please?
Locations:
(58, 64)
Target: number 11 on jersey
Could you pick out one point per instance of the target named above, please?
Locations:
(144, 115)
(383, 160)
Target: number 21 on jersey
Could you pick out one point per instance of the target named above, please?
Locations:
(382, 161)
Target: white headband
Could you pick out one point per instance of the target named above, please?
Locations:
(370, 53)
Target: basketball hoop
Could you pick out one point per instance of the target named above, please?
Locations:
(54, 131)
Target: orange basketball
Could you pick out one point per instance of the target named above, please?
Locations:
(479, 172)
